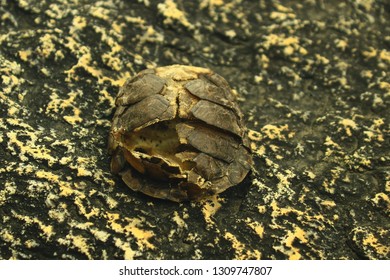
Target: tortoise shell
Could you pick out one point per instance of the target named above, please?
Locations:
(178, 134)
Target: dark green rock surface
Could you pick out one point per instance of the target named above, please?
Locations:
(312, 80)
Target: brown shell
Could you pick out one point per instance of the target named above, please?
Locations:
(178, 134)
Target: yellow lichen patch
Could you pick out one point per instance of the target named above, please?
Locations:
(105, 95)
(7, 236)
(348, 125)
(279, 7)
(259, 184)
(210, 3)
(111, 58)
(282, 15)
(271, 164)
(241, 251)
(210, 207)
(10, 68)
(7, 16)
(284, 183)
(371, 241)
(367, 74)
(260, 151)
(366, 4)
(385, 86)
(84, 61)
(29, 147)
(12, 111)
(48, 175)
(261, 208)
(78, 24)
(112, 218)
(81, 244)
(150, 35)
(100, 12)
(336, 173)
(274, 148)
(382, 198)
(278, 16)
(370, 53)
(19, 123)
(132, 226)
(141, 235)
(57, 104)
(264, 61)
(9, 83)
(94, 211)
(341, 44)
(328, 203)
(47, 231)
(84, 166)
(310, 174)
(113, 62)
(328, 186)
(254, 135)
(290, 44)
(317, 221)
(374, 132)
(78, 242)
(22, 169)
(135, 20)
(358, 161)
(257, 79)
(75, 118)
(8, 189)
(179, 220)
(111, 202)
(274, 132)
(25, 54)
(384, 55)
(331, 144)
(322, 59)
(231, 33)
(30, 243)
(129, 253)
(171, 13)
(47, 46)
(100, 234)
(257, 227)
(67, 189)
(60, 213)
(118, 27)
(283, 211)
(287, 246)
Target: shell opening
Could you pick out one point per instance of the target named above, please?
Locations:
(157, 151)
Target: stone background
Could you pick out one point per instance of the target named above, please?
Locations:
(312, 78)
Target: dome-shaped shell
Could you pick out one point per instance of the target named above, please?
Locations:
(178, 134)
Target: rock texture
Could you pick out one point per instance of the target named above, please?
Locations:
(312, 80)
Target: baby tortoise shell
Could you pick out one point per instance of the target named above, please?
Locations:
(178, 134)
